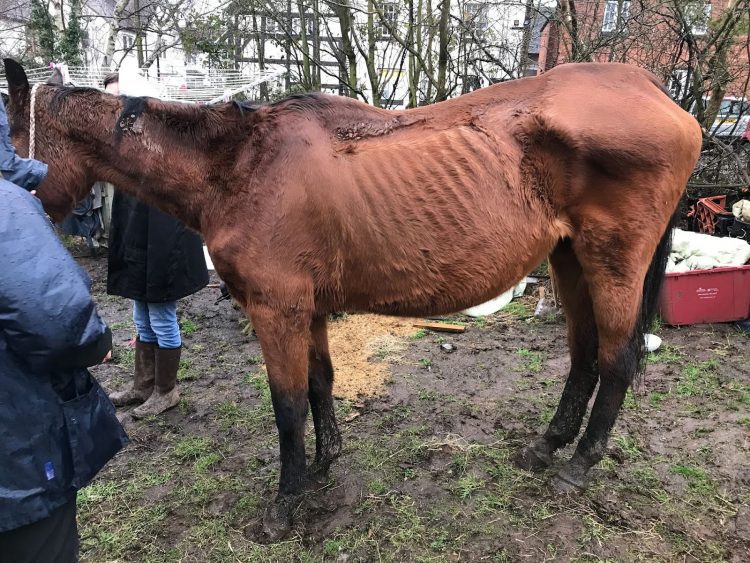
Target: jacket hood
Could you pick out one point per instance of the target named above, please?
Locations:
(24, 172)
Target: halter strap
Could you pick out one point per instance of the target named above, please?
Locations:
(32, 121)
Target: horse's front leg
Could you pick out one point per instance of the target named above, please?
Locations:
(327, 435)
(284, 337)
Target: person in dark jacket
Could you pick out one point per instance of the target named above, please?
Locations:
(57, 427)
(154, 260)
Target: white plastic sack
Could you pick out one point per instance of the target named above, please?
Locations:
(494, 305)
(741, 210)
(209, 262)
(698, 251)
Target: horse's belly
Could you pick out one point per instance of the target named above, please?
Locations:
(435, 292)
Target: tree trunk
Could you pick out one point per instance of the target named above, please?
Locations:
(114, 29)
(442, 90)
(371, 55)
(307, 80)
(316, 46)
(344, 15)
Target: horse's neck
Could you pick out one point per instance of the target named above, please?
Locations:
(139, 162)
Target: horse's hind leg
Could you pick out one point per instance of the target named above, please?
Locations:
(320, 375)
(614, 265)
(583, 376)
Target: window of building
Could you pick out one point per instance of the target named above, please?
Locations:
(272, 26)
(678, 83)
(611, 21)
(390, 15)
(698, 15)
(127, 41)
(475, 17)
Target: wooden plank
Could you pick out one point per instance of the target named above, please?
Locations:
(440, 327)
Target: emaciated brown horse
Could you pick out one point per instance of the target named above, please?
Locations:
(318, 204)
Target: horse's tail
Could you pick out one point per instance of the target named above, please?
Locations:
(652, 288)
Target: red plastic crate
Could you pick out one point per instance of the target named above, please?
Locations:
(706, 296)
(711, 215)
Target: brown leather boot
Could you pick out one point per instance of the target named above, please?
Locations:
(143, 378)
(165, 394)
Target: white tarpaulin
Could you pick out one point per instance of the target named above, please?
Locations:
(696, 251)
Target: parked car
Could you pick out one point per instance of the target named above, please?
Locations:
(733, 119)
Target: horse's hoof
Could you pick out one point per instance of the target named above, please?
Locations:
(532, 459)
(277, 520)
(568, 481)
(316, 477)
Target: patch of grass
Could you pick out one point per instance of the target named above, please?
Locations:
(532, 361)
(255, 360)
(121, 325)
(546, 414)
(480, 322)
(333, 547)
(251, 378)
(541, 270)
(186, 371)
(656, 398)
(183, 406)
(377, 487)
(646, 481)
(118, 539)
(698, 480)
(607, 464)
(398, 414)
(409, 530)
(629, 447)
(425, 362)
(541, 511)
(230, 414)
(125, 356)
(517, 309)
(427, 394)
(630, 402)
(205, 462)
(594, 531)
(188, 327)
(745, 421)
(259, 380)
(665, 355)
(96, 492)
(698, 378)
(440, 543)
(191, 448)
(421, 333)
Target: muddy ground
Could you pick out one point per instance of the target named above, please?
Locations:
(425, 474)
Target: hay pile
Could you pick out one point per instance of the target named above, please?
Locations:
(361, 348)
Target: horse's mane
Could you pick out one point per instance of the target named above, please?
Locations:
(201, 122)
(62, 93)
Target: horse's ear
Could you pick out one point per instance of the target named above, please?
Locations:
(18, 84)
(56, 79)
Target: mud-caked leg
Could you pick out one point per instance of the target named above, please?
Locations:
(320, 377)
(616, 295)
(284, 338)
(616, 375)
(582, 380)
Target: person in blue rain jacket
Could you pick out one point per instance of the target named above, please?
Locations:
(57, 427)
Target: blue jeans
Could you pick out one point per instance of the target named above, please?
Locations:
(157, 322)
